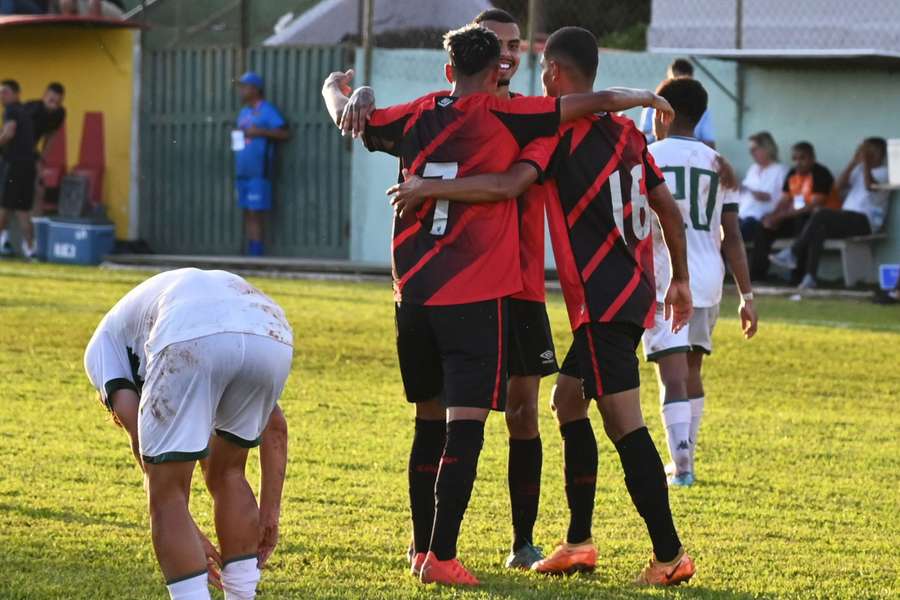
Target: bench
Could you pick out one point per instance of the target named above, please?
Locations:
(857, 260)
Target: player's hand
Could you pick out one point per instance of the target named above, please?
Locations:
(408, 196)
(663, 109)
(357, 112)
(727, 176)
(268, 537)
(679, 305)
(749, 319)
(342, 80)
(213, 561)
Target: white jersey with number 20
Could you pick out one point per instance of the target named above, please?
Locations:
(690, 170)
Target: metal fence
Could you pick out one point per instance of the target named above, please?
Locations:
(188, 108)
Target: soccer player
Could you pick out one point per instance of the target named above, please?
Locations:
(600, 181)
(183, 355)
(454, 266)
(712, 229)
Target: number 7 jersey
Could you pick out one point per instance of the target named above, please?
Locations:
(690, 169)
(600, 174)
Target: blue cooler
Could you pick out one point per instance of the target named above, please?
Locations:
(79, 243)
(41, 235)
(888, 276)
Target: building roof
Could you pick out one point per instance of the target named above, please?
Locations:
(66, 20)
(331, 21)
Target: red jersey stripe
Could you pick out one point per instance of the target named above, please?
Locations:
(600, 181)
(435, 143)
(622, 297)
(604, 249)
(495, 401)
(448, 239)
(406, 234)
(594, 364)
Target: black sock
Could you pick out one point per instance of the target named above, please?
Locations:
(580, 464)
(424, 457)
(455, 479)
(525, 460)
(645, 478)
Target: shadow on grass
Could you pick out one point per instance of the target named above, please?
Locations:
(66, 516)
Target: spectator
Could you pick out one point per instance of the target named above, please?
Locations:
(113, 9)
(48, 115)
(862, 214)
(681, 67)
(24, 7)
(17, 142)
(761, 188)
(259, 126)
(806, 187)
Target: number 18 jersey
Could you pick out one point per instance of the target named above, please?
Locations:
(690, 169)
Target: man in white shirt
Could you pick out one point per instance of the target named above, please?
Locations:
(711, 227)
(703, 130)
(762, 185)
(186, 354)
(862, 213)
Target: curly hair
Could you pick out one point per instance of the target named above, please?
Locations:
(472, 49)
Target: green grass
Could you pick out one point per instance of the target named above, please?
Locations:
(798, 459)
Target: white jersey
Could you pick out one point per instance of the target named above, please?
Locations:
(691, 175)
(172, 307)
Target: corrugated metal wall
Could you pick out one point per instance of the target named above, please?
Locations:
(189, 105)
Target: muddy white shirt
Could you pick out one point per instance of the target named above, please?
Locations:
(175, 306)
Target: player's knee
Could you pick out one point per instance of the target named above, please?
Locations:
(522, 420)
(567, 400)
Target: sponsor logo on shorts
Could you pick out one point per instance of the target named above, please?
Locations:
(547, 356)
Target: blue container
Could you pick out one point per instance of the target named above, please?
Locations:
(888, 276)
(41, 236)
(79, 243)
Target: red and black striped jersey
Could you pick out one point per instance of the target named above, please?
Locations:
(454, 252)
(598, 174)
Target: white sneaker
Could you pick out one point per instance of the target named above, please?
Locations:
(28, 251)
(784, 259)
(808, 283)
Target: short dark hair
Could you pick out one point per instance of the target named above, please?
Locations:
(805, 148)
(494, 14)
(472, 49)
(682, 66)
(576, 46)
(879, 143)
(687, 96)
(11, 84)
(56, 87)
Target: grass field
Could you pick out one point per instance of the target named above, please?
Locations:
(798, 461)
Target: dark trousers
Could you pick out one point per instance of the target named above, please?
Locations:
(763, 240)
(749, 226)
(825, 224)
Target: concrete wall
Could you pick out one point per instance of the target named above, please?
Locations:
(832, 107)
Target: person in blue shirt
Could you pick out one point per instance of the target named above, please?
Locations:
(681, 67)
(259, 127)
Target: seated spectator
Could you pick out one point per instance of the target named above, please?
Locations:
(761, 188)
(24, 7)
(93, 8)
(680, 67)
(806, 187)
(863, 211)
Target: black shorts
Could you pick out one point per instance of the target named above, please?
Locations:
(18, 188)
(531, 350)
(456, 353)
(604, 357)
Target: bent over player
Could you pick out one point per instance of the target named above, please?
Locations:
(454, 265)
(601, 184)
(712, 229)
(186, 354)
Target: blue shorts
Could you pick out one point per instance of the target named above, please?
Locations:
(254, 193)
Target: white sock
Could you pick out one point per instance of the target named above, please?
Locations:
(193, 588)
(27, 250)
(696, 417)
(239, 579)
(676, 417)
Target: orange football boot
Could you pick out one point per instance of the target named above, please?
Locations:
(671, 573)
(446, 572)
(568, 559)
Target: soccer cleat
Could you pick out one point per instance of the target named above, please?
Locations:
(784, 259)
(415, 564)
(446, 572)
(568, 559)
(681, 480)
(524, 557)
(664, 574)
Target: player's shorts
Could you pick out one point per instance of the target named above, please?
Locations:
(18, 190)
(227, 383)
(254, 193)
(531, 350)
(695, 336)
(603, 356)
(456, 353)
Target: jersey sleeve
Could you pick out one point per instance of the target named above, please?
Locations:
(528, 117)
(705, 132)
(653, 177)
(786, 188)
(107, 366)
(274, 120)
(539, 154)
(730, 201)
(386, 126)
(823, 181)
